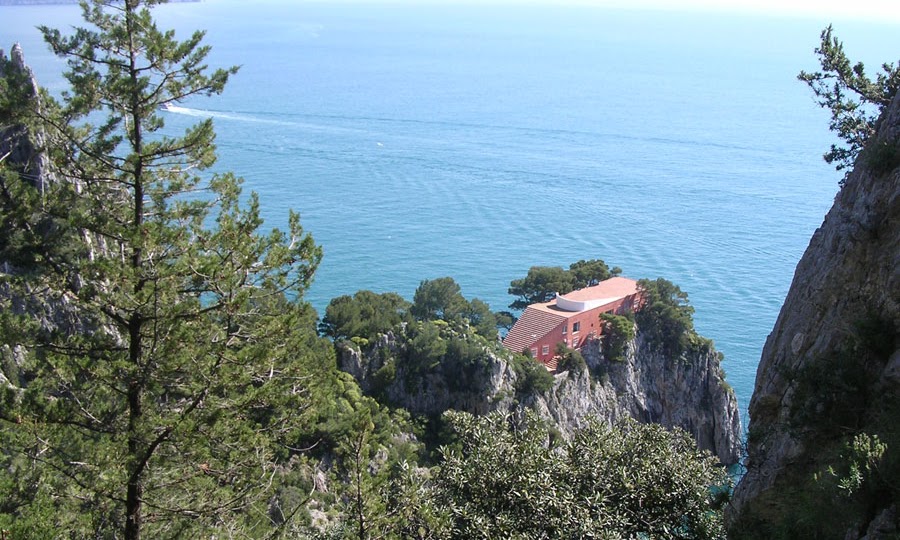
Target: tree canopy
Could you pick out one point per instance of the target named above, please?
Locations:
(154, 397)
(666, 317)
(365, 314)
(853, 98)
(504, 479)
(438, 299)
(543, 282)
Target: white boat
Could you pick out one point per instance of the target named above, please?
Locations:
(166, 106)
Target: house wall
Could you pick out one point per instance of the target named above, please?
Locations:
(589, 325)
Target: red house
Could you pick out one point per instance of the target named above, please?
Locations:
(570, 318)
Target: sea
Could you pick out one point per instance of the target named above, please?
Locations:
(475, 140)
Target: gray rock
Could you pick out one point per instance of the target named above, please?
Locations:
(850, 271)
(689, 392)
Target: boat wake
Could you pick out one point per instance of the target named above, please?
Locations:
(204, 113)
(251, 118)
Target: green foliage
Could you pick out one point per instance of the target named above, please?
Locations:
(365, 315)
(457, 357)
(540, 285)
(882, 156)
(442, 299)
(665, 317)
(384, 377)
(855, 100)
(427, 347)
(569, 359)
(834, 394)
(846, 422)
(32, 211)
(502, 480)
(175, 372)
(438, 299)
(482, 319)
(505, 320)
(618, 331)
(531, 376)
(849, 482)
(587, 273)
(543, 282)
(863, 457)
(465, 366)
(830, 395)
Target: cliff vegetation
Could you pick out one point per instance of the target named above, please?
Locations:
(162, 375)
(823, 441)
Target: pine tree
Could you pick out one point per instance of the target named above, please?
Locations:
(159, 406)
(854, 100)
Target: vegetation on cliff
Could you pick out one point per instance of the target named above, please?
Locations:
(543, 282)
(667, 316)
(823, 441)
(855, 102)
(845, 418)
(161, 374)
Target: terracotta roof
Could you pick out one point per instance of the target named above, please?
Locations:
(540, 319)
(531, 326)
(614, 288)
(599, 295)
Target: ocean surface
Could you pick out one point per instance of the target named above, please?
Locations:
(476, 141)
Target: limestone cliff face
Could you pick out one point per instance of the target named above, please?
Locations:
(20, 146)
(688, 392)
(432, 391)
(849, 273)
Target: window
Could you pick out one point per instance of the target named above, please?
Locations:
(574, 342)
(534, 352)
(565, 328)
(576, 327)
(545, 349)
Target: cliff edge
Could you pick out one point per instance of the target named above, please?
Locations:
(830, 369)
(688, 392)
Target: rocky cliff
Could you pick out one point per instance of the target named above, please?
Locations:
(689, 392)
(20, 144)
(831, 366)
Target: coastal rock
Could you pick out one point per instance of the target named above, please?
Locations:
(848, 276)
(689, 392)
(21, 145)
(434, 391)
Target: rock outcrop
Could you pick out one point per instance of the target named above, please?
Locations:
(848, 278)
(688, 392)
(430, 392)
(20, 145)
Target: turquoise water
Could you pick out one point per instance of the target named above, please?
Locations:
(475, 142)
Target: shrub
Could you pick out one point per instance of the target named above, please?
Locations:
(569, 359)
(363, 315)
(883, 157)
(618, 330)
(531, 376)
